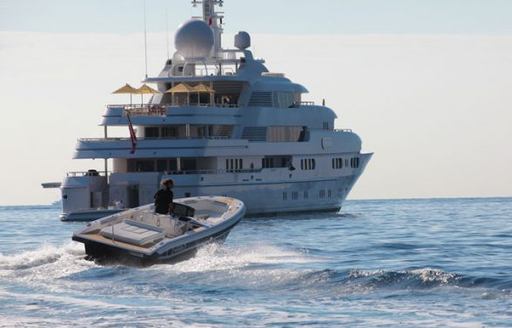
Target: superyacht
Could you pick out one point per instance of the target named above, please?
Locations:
(217, 123)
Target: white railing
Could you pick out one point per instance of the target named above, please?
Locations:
(307, 103)
(90, 173)
(343, 130)
(162, 138)
(198, 172)
(206, 105)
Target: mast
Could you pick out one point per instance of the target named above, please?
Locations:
(214, 19)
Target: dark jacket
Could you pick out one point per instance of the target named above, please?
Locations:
(163, 200)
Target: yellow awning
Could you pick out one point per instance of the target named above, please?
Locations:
(201, 88)
(126, 89)
(181, 88)
(145, 89)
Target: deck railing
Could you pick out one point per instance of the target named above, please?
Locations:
(161, 110)
(163, 138)
(197, 172)
(90, 173)
(307, 103)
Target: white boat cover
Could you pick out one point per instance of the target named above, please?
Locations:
(134, 233)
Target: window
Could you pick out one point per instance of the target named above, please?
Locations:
(234, 164)
(152, 132)
(188, 164)
(284, 133)
(306, 195)
(285, 195)
(308, 164)
(354, 162)
(168, 132)
(161, 165)
(295, 195)
(322, 194)
(337, 163)
(329, 193)
(284, 99)
(325, 126)
(276, 162)
(145, 165)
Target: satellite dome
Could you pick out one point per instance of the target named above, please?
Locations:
(242, 40)
(194, 39)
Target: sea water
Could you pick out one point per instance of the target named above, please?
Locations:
(383, 263)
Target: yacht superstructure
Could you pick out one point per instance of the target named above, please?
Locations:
(218, 123)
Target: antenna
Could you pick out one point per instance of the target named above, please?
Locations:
(167, 31)
(145, 42)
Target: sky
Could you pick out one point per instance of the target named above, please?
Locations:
(426, 84)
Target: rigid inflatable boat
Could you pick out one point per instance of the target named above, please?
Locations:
(140, 236)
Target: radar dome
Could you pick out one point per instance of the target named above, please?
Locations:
(194, 39)
(242, 40)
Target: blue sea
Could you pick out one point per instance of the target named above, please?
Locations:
(380, 263)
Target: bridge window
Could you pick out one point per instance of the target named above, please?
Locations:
(284, 99)
(284, 133)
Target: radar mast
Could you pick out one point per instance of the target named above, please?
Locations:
(214, 19)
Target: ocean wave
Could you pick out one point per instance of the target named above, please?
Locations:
(47, 262)
(216, 257)
(420, 278)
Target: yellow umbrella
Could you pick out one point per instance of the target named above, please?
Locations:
(144, 90)
(181, 88)
(201, 88)
(126, 89)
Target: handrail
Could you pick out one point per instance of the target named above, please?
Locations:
(164, 138)
(162, 109)
(90, 173)
(343, 130)
(219, 171)
(219, 105)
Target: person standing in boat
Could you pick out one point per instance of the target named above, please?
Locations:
(164, 198)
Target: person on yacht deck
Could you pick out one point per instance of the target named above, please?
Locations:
(164, 198)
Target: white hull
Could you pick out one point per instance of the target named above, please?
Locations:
(260, 198)
(140, 236)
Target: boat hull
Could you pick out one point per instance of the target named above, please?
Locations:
(106, 254)
(167, 250)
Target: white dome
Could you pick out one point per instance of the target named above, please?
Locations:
(194, 39)
(242, 40)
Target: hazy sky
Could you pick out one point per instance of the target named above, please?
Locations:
(426, 84)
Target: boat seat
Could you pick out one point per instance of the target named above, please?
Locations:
(133, 232)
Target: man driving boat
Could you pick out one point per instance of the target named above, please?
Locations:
(164, 198)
